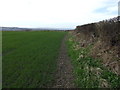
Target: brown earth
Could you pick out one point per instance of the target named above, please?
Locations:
(64, 76)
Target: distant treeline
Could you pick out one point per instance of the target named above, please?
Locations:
(32, 29)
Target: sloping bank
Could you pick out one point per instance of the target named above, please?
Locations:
(94, 50)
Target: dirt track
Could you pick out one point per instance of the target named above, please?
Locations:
(64, 77)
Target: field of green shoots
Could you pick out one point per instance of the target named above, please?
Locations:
(29, 58)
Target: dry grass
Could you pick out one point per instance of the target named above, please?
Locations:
(105, 38)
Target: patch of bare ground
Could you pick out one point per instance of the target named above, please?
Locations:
(64, 76)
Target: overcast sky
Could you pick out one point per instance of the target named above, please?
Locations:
(55, 13)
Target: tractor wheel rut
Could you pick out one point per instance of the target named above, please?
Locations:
(64, 75)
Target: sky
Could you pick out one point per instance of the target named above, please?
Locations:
(119, 8)
(55, 13)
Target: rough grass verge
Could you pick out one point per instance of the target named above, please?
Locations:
(89, 72)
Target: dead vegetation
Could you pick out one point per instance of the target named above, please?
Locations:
(105, 38)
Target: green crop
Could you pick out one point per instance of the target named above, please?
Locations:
(29, 58)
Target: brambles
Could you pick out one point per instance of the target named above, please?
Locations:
(29, 58)
(105, 38)
(95, 49)
(89, 71)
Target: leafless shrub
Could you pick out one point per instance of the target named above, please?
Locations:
(105, 37)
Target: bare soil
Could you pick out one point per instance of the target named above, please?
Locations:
(64, 76)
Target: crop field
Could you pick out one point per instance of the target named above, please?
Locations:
(29, 58)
